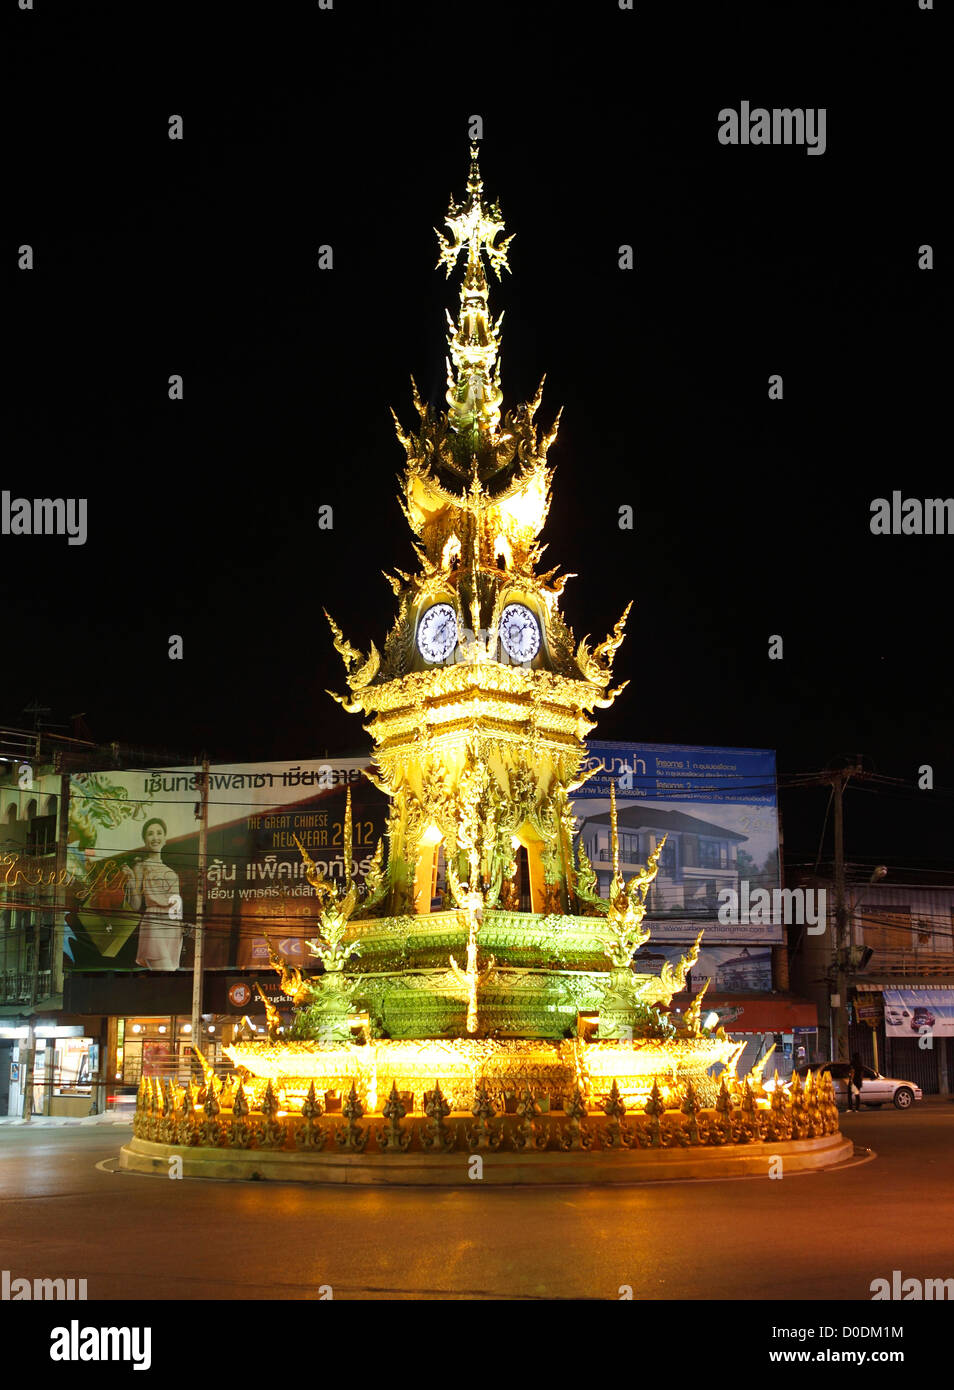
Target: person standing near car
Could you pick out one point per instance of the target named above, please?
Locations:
(855, 1078)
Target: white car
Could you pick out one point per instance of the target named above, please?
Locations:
(895, 1016)
(876, 1090)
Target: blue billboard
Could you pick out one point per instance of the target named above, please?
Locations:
(718, 811)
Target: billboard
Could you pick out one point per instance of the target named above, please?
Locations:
(133, 861)
(725, 969)
(908, 1013)
(717, 808)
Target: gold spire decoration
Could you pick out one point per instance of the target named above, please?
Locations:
(473, 384)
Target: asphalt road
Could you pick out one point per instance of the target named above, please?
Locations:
(807, 1236)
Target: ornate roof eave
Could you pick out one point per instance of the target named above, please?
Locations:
(387, 693)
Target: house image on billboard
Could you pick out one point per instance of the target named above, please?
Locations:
(750, 970)
(698, 860)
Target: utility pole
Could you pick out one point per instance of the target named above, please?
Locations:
(31, 1026)
(841, 952)
(196, 1034)
(840, 1002)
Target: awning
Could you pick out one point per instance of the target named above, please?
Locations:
(755, 1013)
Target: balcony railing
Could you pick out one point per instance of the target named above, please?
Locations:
(908, 961)
(16, 986)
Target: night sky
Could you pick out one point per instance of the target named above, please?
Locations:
(305, 127)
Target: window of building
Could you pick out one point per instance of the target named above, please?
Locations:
(41, 836)
(712, 854)
(886, 928)
(629, 848)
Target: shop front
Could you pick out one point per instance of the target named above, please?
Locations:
(66, 1070)
(761, 1021)
(161, 1047)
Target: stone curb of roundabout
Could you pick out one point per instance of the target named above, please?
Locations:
(451, 1169)
(738, 1137)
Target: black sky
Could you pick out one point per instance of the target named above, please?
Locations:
(349, 127)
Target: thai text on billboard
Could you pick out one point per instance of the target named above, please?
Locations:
(133, 861)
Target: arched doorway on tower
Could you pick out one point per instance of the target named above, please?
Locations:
(528, 881)
(522, 880)
(430, 879)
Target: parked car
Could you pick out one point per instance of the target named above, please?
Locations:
(876, 1090)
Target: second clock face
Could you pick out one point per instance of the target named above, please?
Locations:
(437, 632)
(519, 632)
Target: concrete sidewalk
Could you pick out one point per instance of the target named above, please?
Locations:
(111, 1117)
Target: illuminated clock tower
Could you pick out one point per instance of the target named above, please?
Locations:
(479, 705)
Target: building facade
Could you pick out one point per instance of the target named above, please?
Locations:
(901, 950)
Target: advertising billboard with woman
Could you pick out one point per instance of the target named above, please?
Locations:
(133, 860)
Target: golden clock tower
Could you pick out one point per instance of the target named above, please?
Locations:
(479, 703)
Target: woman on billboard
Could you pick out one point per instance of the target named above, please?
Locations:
(153, 888)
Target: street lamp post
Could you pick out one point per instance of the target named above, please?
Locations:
(196, 1034)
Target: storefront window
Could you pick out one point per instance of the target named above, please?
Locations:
(161, 1048)
(65, 1072)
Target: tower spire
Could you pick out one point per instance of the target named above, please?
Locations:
(473, 368)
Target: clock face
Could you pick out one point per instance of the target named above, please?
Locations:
(437, 632)
(519, 632)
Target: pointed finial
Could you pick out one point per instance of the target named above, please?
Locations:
(473, 391)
